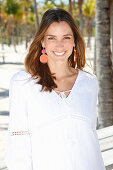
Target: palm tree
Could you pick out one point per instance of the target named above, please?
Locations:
(111, 20)
(36, 13)
(80, 3)
(26, 4)
(89, 12)
(1, 25)
(104, 64)
(49, 4)
(70, 6)
(11, 8)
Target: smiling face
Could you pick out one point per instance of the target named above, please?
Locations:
(58, 42)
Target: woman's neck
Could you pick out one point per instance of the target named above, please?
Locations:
(61, 70)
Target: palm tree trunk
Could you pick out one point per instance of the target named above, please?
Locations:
(17, 32)
(80, 2)
(13, 36)
(104, 64)
(2, 36)
(36, 14)
(8, 30)
(26, 28)
(21, 34)
(70, 7)
(94, 61)
(89, 31)
(112, 28)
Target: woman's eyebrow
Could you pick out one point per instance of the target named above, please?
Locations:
(63, 35)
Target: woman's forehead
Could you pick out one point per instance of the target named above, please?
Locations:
(57, 28)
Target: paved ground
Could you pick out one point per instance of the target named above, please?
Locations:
(14, 63)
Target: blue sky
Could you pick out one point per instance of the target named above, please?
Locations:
(57, 1)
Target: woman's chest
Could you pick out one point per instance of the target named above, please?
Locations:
(47, 107)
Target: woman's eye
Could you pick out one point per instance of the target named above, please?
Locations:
(67, 37)
(51, 38)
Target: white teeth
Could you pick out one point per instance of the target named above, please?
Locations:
(59, 53)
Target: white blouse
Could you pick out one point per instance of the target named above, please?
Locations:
(47, 132)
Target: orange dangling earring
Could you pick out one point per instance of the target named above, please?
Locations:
(43, 57)
(74, 54)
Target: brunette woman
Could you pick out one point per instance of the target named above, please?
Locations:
(53, 102)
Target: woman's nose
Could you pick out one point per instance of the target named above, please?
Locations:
(60, 44)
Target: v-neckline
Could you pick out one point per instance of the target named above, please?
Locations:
(71, 91)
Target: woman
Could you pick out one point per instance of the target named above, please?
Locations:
(53, 101)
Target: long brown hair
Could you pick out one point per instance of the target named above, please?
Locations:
(32, 61)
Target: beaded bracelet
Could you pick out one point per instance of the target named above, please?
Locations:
(19, 133)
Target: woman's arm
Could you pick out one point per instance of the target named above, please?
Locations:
(18, 147)
(96, 87)
(95, 102)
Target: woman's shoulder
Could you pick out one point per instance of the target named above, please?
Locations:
(89, 77)
(88, 74)
(20, 78)
(21, 75)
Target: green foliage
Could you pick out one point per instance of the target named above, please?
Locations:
(11, 7)
(89, 8)
(49, 4)
(32, 8)
(77, 20)
(31, 18)
(15, 13)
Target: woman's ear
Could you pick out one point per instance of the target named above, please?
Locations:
(43, 43)
(74, 45)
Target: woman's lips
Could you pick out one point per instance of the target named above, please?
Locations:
(59, 54)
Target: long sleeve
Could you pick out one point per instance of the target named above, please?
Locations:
(95, 102)
(96, 87)
(18, 146)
